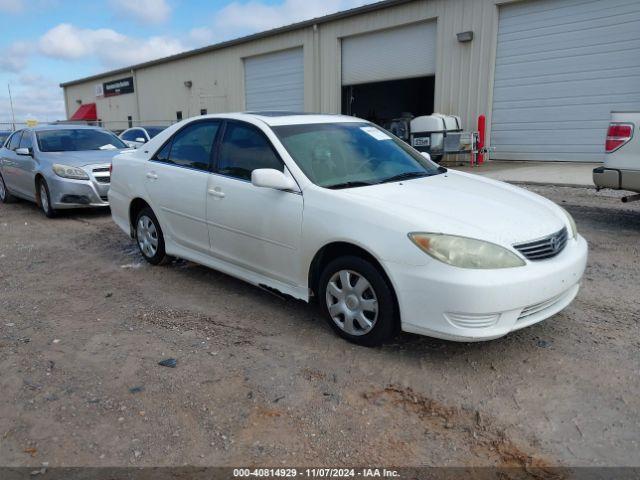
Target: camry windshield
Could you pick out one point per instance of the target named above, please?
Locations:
(74, 140)
(343, 155)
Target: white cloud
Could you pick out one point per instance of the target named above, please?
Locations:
(111, 48)
(12, 6)
(34, 96)
(70, 42)
(14, 57)
(201, 36)
(144, 11)
(240, 18)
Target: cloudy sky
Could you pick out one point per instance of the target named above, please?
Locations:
(45, 42)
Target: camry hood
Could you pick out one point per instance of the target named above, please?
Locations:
(458, 203)
(81, 158)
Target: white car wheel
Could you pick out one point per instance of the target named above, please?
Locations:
(352, 302)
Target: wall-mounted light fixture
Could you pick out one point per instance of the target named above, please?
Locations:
(188, 83)
(465, 37)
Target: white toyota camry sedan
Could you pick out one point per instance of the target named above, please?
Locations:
(335, 208)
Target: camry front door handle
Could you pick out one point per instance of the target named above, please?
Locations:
(216, 192)
(152, 176)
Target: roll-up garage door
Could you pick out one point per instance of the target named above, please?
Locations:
(404, 52)
(562, 66)
(275, 81)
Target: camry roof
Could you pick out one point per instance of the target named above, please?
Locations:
(63, 126)
(275, 118)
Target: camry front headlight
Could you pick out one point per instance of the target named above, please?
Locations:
(66, 171)
(572, 224)
(466, 252)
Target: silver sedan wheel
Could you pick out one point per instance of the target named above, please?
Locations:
(147, 235)
(3, 189)
(352, 302)
(44, 198)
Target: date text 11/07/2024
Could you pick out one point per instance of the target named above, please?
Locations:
(315, 472)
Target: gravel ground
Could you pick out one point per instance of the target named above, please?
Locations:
(263, 381)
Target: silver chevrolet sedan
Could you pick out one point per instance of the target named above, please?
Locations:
(58, 166)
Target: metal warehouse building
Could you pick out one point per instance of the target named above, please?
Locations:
(546, 73)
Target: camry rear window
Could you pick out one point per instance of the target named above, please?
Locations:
(73, 140)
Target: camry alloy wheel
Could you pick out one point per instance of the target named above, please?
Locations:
(3, 190)
(147, 236)
(352, 302)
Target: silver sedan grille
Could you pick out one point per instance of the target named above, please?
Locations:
(102, 174)
(544, 248)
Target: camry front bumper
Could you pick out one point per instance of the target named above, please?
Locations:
(459, 304)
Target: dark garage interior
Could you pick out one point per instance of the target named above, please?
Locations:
(381, 102)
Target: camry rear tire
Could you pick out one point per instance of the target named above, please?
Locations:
(357, 301)
(45, 199)
(5, 196)
(149, 237)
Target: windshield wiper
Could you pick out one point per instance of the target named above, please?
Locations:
(406, 176)
(349, 185)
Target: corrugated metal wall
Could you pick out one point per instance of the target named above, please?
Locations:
(275, 81)
(562, 67)
(463, 71)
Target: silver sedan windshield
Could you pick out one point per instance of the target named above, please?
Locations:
(73, 140)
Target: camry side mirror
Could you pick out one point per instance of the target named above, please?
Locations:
(272, 178)
(426, 155)
(27, 152)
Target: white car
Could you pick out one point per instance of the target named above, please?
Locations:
(137, 136)
(335, 208)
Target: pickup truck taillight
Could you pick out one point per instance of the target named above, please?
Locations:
(617, 135)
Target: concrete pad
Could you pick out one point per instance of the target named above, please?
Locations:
(568, 174)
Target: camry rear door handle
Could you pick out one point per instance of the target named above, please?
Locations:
(216, 192)
(152, 176)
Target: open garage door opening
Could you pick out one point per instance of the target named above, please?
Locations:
(389, 73)
(381, 102)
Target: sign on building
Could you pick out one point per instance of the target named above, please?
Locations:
(118, 87)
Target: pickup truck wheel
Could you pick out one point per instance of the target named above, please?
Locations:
(5, 196)
(357, 301)
(149, 237)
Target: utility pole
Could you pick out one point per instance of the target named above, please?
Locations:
(13, 115)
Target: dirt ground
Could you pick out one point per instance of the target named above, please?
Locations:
(263, 381)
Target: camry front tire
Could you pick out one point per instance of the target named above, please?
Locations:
(357, 301)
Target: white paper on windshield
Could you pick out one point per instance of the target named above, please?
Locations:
(108, 146)
(375, 133)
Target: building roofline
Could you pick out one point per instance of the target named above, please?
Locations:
(248, 38)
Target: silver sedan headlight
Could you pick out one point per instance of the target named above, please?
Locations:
(66, 171)
(466, 252)
(572, 224)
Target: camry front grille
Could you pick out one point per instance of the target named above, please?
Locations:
(544, 248)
